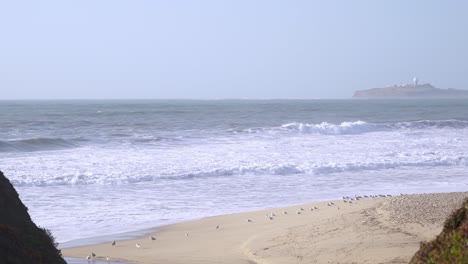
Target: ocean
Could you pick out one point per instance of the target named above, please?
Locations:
(96, 168)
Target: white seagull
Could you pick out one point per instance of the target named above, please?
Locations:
(137, 245)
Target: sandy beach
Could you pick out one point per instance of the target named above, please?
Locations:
(369, 230)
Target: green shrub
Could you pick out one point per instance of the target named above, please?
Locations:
(451, 245)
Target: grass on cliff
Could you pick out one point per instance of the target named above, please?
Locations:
(451, 245)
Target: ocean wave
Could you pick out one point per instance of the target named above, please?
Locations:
(35, 144)
(357, 127)
(278, 170)
(151, 139)
(422, 124)
(325, 128)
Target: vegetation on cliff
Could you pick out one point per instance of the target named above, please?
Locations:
(451, 245)
(21, 241)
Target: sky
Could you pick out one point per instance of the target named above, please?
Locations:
(135, 49)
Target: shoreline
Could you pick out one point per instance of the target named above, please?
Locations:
(384, 230)
(137, 233)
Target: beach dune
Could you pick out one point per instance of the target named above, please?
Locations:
(369, 230)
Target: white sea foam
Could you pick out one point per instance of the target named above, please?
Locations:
(136, 166)
(344, 128)
(145, 175)
(306, 154)
(357, 127)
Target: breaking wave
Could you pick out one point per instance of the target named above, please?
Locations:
(359, 127)
(281, 170)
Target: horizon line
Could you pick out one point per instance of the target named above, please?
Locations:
(173, 99)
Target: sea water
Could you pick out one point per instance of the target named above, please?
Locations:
(94, 168)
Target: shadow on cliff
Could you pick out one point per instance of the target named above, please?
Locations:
(21, 241)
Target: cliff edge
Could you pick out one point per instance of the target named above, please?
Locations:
(410, 91)
(21, 241)
(451, 245)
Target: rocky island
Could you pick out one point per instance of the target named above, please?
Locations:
(413, 90)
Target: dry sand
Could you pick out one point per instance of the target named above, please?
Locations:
(371, 230)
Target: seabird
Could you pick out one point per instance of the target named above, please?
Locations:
(298, 212)
(137, 245)
(93, 255)
(315, 207)
(113, 243)
(186, 234)
(107, 259)
(152, 238)
(285, 212)
(217, 227)
(272, 214)
(300, 208)
(249, 221)
(88, 257)
(271, 218)
(311, 209)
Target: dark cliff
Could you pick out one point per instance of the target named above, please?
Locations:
(21, 241)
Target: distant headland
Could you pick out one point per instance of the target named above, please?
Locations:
(410, 90)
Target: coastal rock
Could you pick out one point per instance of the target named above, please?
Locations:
(410, 91)
(21, 241)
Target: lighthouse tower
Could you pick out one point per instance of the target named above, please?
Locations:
(415, 81)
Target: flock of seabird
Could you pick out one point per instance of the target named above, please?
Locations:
(346, 199)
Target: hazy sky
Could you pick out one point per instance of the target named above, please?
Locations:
(227, 49)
